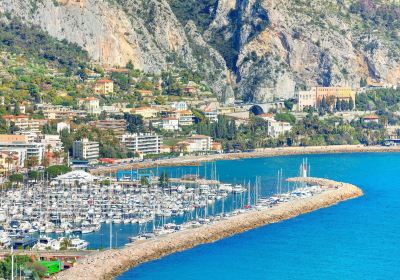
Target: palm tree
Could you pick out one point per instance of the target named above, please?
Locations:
(9, 160)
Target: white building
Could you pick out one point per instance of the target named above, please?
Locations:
(276, 128)
(53, 142)
(19, 144)
(73, 177)
(199, 143)
(179, 106)
(211, 115)
(142, 143)
(306, 99)
(85, 149)
(23, 122)
(91, 105)
(63, 125)
(170, 124)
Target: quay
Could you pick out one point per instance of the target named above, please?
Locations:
(258, 153)
(109, 264)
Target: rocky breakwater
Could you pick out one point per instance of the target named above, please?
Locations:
(108, 264)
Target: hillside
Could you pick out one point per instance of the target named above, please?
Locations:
(261, 49)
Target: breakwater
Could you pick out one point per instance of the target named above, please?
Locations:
(108, 264)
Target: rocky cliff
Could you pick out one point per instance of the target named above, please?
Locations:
(263, 49)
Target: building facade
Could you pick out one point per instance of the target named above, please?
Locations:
(104, 87)
(85, 149)
(142, 143)
(117, 126)
(199, 143)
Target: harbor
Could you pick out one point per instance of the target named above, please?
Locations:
(314, 194)
(60, 213)
(73, 211)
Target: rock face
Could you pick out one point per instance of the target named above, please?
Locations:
(263, 49)
(115, 32)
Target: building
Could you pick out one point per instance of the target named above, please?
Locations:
(52, 142)
(104, 87)
(371, 119)
(306, 99)
(117, 126)
(315, 96)
(85, 149)
(170, 124)
(190, 88)
(19, 144)
(9, 161)
(90, 104)
(63, 125)
(145, 92)
(186, 118)
(56, 112)
(333, 93)
(179, 106)
(277, 128)
(211, 115)
(145, 112)
(199, 143)
(23, 122)
(142, 143)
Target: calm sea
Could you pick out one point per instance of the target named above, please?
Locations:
(358, 239)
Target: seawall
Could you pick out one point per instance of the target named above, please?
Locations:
(109, 264)
(258, 153)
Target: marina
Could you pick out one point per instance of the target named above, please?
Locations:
(317, 193)
(60, 214)
(46, 214)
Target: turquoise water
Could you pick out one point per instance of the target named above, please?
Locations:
(358, 239)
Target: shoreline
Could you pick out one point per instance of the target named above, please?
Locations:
(111, 263)
(258, 153)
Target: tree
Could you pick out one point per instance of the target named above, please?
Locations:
(285, 117)
(56, 170)
(163, 180)
(16, 178)
(289, 104)
(32, 162)
(344, 105)
(130, 65)
(144, 181)
(17, 110)
(33, 175)
(351, 104)
(338, 105)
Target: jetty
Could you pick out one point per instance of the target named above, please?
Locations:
(109, 264)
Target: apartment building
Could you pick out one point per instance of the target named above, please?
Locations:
(19, 144)
(85, 149)
(104, 87)
(23, 122)
(117, 126)
(199, 143)
(148, 143)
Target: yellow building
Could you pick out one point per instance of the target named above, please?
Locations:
(332, 93)
(104, 87)
(145, 112)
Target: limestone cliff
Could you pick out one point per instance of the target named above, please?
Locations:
(115, 32)
(263, 49)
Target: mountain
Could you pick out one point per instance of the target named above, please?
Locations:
(261, 49)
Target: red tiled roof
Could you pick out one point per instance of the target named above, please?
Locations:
(371, 117)
(103, 81)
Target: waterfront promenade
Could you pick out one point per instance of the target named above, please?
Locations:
(108, 264)
(258, 153)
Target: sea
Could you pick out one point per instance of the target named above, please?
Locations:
(356, 239)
